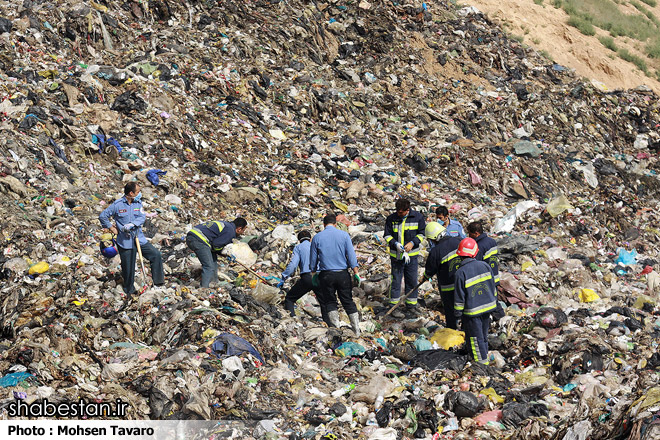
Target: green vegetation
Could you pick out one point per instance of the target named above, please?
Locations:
(651, 3)
(606, 15)
(546, 55)
(518, 38)
(653, 49)
(582, 25)
(637, 61)
(608, 42)
(538, 2)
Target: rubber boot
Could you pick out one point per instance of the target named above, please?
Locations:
(355, 323)
(333, 317)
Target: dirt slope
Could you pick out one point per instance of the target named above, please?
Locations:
(544, 28)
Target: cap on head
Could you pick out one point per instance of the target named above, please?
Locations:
(434, 231)
(467, 248)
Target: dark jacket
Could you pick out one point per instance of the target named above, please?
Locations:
(404, 230)
(444, 262)
(474, 289)
(488, 253)
(216, 234)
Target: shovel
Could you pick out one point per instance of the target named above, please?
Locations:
(144, 275)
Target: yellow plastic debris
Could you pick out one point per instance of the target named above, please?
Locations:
(40, 267)
(558, 205)
(526, 265)
(588, 295)
(340, 205)
(643, 299)
(492, 395)
(447, 338)
(210, 333)
(80, 302)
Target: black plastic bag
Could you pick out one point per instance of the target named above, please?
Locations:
(514, 413)
(440, 360)
(462, 403)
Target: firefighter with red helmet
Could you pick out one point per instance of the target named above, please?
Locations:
(474, 299)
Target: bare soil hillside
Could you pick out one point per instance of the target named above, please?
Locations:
(545, 28)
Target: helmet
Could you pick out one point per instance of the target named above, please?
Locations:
(434, 230)
(467, 248)
(108, 251)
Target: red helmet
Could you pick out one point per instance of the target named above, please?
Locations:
(467, 248)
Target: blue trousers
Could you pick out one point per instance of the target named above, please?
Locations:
(476, 336)
(407, 272)
(128, 258)
(448, 305)
(206, 257)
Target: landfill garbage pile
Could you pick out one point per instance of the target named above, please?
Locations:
(279, 112)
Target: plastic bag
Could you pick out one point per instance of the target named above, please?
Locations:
(440, 360)
(242, 252)
(39, 267)
(550, 318)
(588, 295)
(447, 338)
(558, 205)
(268, 294)
(514, 413)
(625, 257)
(462, 403)
(350, 349)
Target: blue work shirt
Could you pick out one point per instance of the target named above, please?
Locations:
(124, 213)
(299, 259)
(332, 249)
(455, 229)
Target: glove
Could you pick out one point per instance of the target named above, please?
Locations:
(406, 257)
(127, 227)
(280, 284)
(315, 280)
(399, 248)
(357, 281)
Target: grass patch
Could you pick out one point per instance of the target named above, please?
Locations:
(606, 15)
(646, 12)
(608, 42)
(651, 3)
(582, 25)
(546, 55)
(653, 49)
(538, 2)
(631, 58)
(518, 38)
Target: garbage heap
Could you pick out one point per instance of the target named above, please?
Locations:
(280, 112)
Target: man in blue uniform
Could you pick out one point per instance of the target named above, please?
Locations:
(488, 253)
(444, 262)
(331, 255)
(474, 299)
(208, 239)
(128, 215)
(300, 260)
(404, 231)
(454, 228)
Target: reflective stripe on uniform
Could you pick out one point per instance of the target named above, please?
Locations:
(448, 257)
(477, 279)
(201, 236)
(476, 353)
(492, 251)
(412, 302)
(447, 288)
(481, 309)
(388, 238)
(459, 306)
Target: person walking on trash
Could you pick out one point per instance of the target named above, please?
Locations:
(474, 299)
(404, 231)
(442, 261)
(331, 255)
(128, 215)
(300, 260)
(208, 239)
